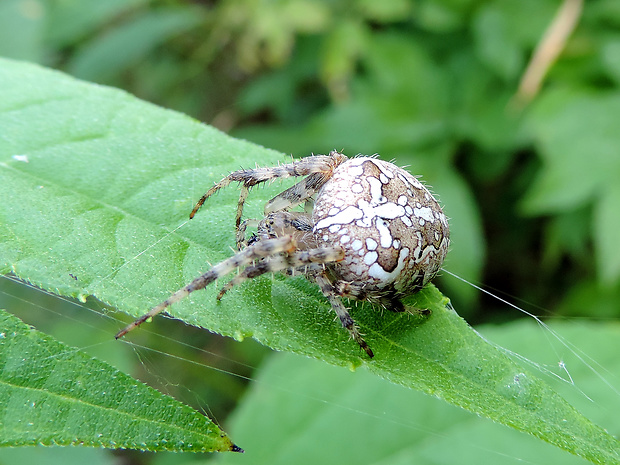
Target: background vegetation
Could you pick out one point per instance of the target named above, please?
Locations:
(529, 183)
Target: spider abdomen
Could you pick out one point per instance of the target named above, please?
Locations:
(393, 231)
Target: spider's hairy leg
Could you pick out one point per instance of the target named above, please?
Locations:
(240, 239)
(300, 192)
(261, 249)
(388, 300)
(220, 185)
(243, 196)
(296, 224)
(298, 259)
(347, 322)
(252, 177)
(319, 170)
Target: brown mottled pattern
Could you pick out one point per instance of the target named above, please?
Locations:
(409, 216)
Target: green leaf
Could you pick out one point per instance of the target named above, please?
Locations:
(21, 29)
(96, 188)
(319, 414)
(610, 55)
(341, 51)
(494, 44)
(606, 228)
(506, 32)
(70, 21)
(579, 141)
(577, 134)
(56, 395)
(386, 11)
(100, 60)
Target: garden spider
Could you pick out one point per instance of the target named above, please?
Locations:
(374, 233)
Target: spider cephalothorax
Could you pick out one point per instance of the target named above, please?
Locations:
(374, 232)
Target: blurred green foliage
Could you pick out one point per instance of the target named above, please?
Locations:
(532, 191)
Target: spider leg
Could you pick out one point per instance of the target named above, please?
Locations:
(321, 165)
(347, 322)
(358, 291)
(296, 224)
(389, 301)
(240, 238)
(243, 195)
(298, 259)
(261, 249)
(300, 192)
(223, 183)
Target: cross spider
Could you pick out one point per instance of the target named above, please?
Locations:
(374, 233)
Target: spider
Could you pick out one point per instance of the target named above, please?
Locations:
(370, 231)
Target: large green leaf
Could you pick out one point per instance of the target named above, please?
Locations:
(20, 32)
(578, 136)
(574, 168)
(319, 414)
(55, 395)
(96, 187)
(100, 60)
